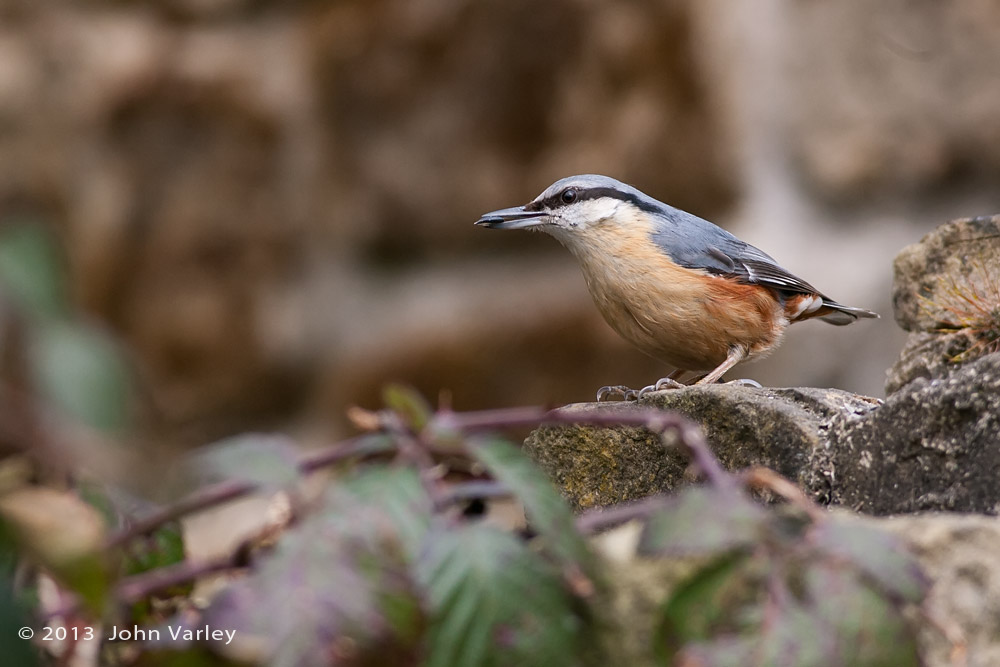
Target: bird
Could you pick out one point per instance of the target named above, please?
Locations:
(676, 286)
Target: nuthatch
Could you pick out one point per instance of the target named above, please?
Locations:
(679, 288)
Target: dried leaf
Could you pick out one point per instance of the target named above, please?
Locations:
(63, 533)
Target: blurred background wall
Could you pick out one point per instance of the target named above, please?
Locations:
(272, 202)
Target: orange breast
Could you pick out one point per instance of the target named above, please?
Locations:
(684, 317)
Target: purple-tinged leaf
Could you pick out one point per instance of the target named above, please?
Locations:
(879, 555)
(721, 652)
(395, 491)
(703, 521)
(855, 623)
(270, 461)
(333, 592)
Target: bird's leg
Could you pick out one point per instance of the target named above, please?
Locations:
(626, 393)
(737, 353)
(669, 382)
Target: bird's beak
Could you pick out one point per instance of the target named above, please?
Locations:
(513, 218)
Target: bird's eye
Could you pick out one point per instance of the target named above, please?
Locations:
(568, 196)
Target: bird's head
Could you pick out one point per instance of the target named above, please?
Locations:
(576, 206)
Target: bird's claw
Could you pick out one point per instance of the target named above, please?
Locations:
(634, 394)
(745, 382)
(626, 393)
(662, 383)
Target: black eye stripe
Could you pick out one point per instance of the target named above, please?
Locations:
(555, 201)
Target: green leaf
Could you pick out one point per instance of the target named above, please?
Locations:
(13, 617)
(31, 270)
(881, 556)
(793, 636)
(856, 624)
(15, 612)
(409, 404)
(703, 521)
(396, 492)
(81, 372)
(270, 461)
(546, 510)
(707, 604)
(824, 616)
(496, 602)
(332, 592)
(162, 548)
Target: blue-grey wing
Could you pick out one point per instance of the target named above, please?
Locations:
(696, 243)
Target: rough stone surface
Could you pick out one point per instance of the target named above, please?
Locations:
(777, 428)
(945, 275)
(933, 445)
(596, 467)
(959, 555)
(946, 290)
(927, 355)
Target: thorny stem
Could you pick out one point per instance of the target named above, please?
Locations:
(594, 521)
(689, 436)
(138, 587)
(457, 493)
(419, 452)
(197, 501)
(413, 449)
(759, 477)
(224, 492)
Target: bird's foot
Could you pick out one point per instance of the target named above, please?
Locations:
(745, 382)
(662, 383)
(626, 393)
